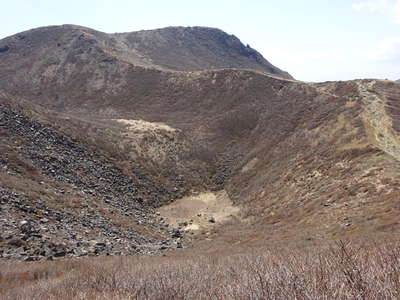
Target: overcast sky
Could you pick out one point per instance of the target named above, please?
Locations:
(314, 40)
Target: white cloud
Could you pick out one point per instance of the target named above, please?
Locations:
(396, 12)
(372, 5)
(388, 50)
(389, 7)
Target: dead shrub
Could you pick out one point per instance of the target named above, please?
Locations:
(343, 271)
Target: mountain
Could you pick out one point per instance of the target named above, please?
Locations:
(172, 48)
(182, 121)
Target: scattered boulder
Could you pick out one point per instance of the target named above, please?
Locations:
(176, 233)
(16, 242)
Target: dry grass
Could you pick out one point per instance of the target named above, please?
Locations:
(339, 272)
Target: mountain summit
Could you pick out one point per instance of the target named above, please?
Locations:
(171, 48)
(197, 48)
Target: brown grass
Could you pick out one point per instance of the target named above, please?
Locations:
(343, 271)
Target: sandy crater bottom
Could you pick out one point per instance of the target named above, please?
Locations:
(197, 210)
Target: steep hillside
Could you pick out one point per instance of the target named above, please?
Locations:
(60, 196)
(335, 175)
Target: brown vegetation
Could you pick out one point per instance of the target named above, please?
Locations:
(343, 271)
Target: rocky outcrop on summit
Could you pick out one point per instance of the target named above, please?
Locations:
(196, 49)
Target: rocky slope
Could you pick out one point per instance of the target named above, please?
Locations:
(60, 197)
(299, 161)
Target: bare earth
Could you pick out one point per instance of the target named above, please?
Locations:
(198, 210)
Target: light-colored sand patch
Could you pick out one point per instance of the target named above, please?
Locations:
(192, 227)
(196, 211)
(143, 126)
(154, 141)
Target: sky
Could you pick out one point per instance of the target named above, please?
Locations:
(314, 40)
